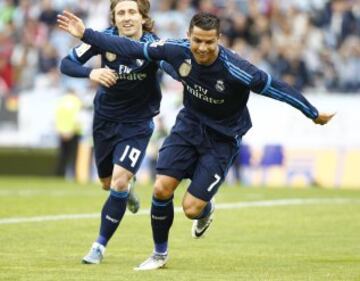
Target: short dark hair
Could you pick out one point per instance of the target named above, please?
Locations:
(205, 21)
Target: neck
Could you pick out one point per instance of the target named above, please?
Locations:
(137, 36)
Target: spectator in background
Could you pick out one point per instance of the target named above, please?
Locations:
(24, 60)
(7, 9)
(35, 32)
(95, 14)
(313, 24)
(48, 14)
(5, 75)
(169, 22)
(184, 8)
(291, 67)
(339, 22)
(6, 69)
(48, 58)
(349, 64)
(329, 72)
(22, 13)
(68, 127)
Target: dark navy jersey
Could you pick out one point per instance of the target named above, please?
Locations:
(136, 95)
(215, 94)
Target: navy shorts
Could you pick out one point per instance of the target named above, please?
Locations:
(195, 151)
(120, 143)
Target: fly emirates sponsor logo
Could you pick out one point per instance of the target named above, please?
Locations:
(125, 73)
(132, 76)
(201, 93)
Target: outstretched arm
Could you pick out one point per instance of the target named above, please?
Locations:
(120, 45)
(262, 83)
(279, 90)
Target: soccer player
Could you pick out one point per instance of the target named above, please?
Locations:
(208, 130)
(125, 103)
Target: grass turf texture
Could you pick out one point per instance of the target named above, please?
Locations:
(295, 242)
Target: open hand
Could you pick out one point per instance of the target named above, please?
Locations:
(70, 23)
(104, 76)
(323, 118)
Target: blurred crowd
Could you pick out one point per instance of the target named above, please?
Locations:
(308, 43)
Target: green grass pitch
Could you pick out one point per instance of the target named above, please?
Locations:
(316, 237)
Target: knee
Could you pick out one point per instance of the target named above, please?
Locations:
(192, 210)
(193, 206)
(120, 182)
(162, 190)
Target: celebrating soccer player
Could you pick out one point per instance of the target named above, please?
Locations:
(208, 130)
(125, 103)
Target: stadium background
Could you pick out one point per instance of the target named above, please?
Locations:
(258, 233)
(314, 45)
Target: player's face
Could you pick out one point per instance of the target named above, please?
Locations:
(128, 19)
(204, 45)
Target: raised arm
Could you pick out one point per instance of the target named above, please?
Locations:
(120, 45)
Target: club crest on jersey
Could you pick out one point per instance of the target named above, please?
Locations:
(220, 86)
(185, 69)
(110, 56)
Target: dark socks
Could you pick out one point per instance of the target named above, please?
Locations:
(162, 216)
(111, 215)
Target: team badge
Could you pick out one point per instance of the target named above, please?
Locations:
(220, 86)
(185, 69)
(110, 56)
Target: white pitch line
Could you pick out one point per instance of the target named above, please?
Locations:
(223, 206)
